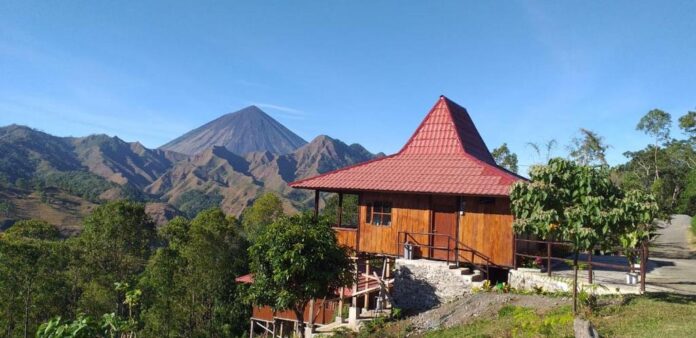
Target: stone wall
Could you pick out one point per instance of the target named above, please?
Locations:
(421, 285)
(523, 279)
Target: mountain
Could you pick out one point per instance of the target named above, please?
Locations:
(247, 130)
(237, 181)
(61, 179)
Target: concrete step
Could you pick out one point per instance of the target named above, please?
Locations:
(477, 276)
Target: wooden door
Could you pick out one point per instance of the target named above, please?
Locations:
(444, 222)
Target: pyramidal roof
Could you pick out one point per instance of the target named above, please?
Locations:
(445, 155)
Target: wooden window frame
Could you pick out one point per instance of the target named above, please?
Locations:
(379, 210)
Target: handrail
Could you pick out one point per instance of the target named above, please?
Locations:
(642, 252)
(459, 246)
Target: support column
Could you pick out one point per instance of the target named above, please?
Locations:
(339, 318)
(316, 205)
(339, 217)
(366, 299)
(311, 316)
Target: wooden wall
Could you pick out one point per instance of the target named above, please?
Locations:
(324, 312)
(347, 236)
(487, 227)
(409, 213)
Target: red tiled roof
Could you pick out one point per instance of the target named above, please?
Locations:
(246, 279)
(445, 155)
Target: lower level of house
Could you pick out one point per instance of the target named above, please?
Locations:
(473, 229)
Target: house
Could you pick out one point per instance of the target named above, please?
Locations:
(442, 192)
(442, 197)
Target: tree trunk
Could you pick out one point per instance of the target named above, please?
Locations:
(575, 282)
(657, 173)
(299, 315)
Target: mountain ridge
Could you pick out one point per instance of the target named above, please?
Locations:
(98, 167)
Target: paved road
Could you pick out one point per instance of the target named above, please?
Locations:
(675, 262)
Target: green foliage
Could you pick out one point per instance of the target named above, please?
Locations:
(579, 204)
(675, 186)
(294, 260)
(79, 183)
(32, 279)
(656, 123)
(693, 225)
(33, 229)
(109, 326)
(588, 149)
(505, 158)
(113, 247)
(7, 208)
(194, 201)
(188, 287)
(688, 124)
(349, 211)
(265, 210)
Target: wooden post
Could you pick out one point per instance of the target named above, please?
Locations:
(251, 328)
(367, 284)
(514, 250)
(354, 299)
(589, 267)
(311, 315)
(643, 263)
(274, 326)
(340, 306)
(339, 217)
(548, 257)
(316, 205)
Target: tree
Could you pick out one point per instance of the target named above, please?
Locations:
(32, 279)
(544, 150)
(349, 210)
(505, 158)
(588, 149)
(579, 204)
(113, 248)
(688, 124)
(194, 201)
(265, 210)
(188, 285)
(294, 260)
(656, 123)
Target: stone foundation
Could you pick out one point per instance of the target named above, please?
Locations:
(421, 284)
(529, 280)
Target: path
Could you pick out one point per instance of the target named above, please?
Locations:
(675, 269)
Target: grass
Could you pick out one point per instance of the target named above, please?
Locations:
(652, 315)
(664, 315)
(516, 321)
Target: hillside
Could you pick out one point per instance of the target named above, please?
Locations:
(60, 179)
(241, 132)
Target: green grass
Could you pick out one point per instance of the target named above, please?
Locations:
(516, 321)
(652, 315)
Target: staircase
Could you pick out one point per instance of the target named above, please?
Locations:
(468, 274)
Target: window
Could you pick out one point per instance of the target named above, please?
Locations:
(378, 213)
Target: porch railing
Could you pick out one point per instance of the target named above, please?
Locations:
(453, 246)
(549, 257)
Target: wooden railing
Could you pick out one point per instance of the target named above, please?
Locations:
(453, 247)
(548, 256)
(347, 236)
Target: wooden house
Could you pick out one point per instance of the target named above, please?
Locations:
(442, 192)
(442, 195)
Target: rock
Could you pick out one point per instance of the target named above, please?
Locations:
(584, 329)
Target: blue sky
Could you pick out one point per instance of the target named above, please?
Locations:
(366, 72)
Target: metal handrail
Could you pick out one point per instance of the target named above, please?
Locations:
(456, 249)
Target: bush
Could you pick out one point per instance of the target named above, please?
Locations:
(693, 225)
